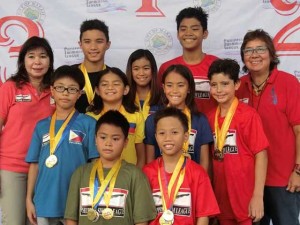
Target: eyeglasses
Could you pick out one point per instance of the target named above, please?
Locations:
(259, 50)
(70, 90)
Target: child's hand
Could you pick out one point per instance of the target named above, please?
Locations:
(294, 183)
(256, 208)
(31, 212)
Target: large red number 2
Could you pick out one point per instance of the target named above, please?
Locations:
(32, 28)
(286, 8)
(149, 8)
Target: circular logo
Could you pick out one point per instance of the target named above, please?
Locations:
(209, 6)
(159, 41)
(32, 10)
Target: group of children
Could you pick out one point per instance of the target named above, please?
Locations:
(139, 125)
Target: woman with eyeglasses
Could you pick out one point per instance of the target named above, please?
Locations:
(25, 99)
(275, 95)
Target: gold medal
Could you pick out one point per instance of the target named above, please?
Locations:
(218, 155)
(92, 215)
(51, 161)
(167, 218)
(107, 213)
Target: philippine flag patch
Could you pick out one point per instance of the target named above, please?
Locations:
(76, 137)
(132, 128)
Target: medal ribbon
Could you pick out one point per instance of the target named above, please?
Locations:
(56, 139)
(110, 179)
(169, 191)
(146, 106)
(187, 112)
(90, 94)
(222, 133)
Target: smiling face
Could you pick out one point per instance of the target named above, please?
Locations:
(257, 63)
(190, 34)
(94, 45)
(170, 136)
(111, 89)
(223, 89)
(141, 72)
(110, 141)
(176, 89)
(37, 63)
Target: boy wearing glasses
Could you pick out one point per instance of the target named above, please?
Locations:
(59, 145)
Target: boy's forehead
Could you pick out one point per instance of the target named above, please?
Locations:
(190, 22)
(67, 80)
(110, 129)
(93, 34)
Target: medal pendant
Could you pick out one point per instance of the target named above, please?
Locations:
(51, 161)
(167, 218)
(107, 213)
(92, 215)
(218, 155)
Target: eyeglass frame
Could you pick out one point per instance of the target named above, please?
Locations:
(66, 88)
(250, 51)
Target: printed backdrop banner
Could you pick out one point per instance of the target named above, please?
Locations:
(146, 24)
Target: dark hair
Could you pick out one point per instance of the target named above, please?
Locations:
(154, 89)
(265, 37)
(21, 77)
(229, 67)
(94, 24)
(186, 74)
(193, 12)
(70, 72)
(172, 112)
(115, 118)
(127, 101)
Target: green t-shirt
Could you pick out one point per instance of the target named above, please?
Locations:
(131, 199)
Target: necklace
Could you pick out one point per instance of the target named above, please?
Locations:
(259, 87)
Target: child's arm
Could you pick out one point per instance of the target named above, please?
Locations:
(32, 175)
(204, 156)
(202, 221)
(150, 153)
(71, 222)
(140, 154)
(256, 205)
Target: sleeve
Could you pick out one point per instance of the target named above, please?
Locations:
(293, 103)
(143, 205)
(205, 131)
(7, 94)
(206, 203)
(91, 143)
(34, 150)
(149, 131)
(140, 128)
(255, 137)
(73, 201)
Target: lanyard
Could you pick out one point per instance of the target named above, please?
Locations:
(146, 107)
(222, 133)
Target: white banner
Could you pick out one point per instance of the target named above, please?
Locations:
(147, 24)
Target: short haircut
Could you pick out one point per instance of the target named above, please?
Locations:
(115, 118)
(193, 12)
(94, 24)
(172, 112)
(262, 35)
(229, 67)
(72, 72)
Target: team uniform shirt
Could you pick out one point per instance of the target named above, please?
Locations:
(194, 199)
(131, 199)
(21, 109)
(82, 103)
(135, 135)
(200, 134)
(76, 147)
(279, 108)
(234, 177)
(204, 101)
(147, 110)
